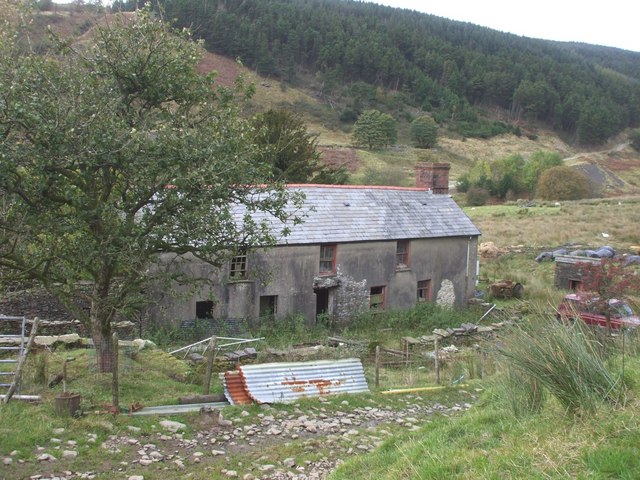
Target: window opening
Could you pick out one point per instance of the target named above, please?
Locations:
(424, 290)
(238, 267)
(402, 254)
(204, 309)
(327, 259)
(377, 298)
(268, 306)
(574, 284)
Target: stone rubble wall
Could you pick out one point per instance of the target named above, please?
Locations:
(55, 319)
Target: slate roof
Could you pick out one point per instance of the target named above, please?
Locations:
(339, 214)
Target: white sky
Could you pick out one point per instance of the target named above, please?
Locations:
(613, 23)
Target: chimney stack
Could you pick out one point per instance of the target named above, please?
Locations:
(433, 176)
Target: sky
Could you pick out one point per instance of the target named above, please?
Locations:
(612, 23)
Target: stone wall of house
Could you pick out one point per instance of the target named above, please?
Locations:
(290, 273)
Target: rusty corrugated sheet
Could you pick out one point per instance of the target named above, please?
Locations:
(287, 382)
(234, 388)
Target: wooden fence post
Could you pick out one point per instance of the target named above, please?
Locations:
(210, 357)
(436, 354)
(115, 387)
(377, 365)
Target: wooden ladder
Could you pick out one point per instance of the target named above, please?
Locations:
(13, 356)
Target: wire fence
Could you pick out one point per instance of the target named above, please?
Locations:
(421, 364)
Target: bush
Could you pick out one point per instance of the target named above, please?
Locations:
(563, 183)
(477, 196)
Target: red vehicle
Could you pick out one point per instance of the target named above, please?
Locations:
(590, 311)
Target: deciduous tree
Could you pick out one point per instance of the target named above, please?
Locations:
(114, 152)
(424, 132)
(374, 130)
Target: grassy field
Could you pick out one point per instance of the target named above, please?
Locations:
(597, 222)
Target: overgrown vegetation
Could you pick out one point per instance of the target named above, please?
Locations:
(523, 420)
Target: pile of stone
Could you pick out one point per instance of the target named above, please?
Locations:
(466, 329)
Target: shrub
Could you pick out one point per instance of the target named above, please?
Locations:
(563, 183)
(463, 184)
(477, 196)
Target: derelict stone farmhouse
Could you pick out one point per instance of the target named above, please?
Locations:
(359, 248)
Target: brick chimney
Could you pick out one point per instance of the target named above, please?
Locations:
(434, 176)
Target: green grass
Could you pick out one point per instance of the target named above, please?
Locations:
(489, 442)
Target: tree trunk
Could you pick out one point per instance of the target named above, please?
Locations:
(102, 313)
(101, 316)
(104, 346)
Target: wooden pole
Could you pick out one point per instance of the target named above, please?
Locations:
(211, 354)
(436, 354)
(377, 365)
(64, 376)
(64, 373)
(115, 388)
(406, 357)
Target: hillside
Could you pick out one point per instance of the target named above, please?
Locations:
(355, 52)
(613, 164)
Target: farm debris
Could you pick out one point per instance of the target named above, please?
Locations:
(601, 252)
(631, 260)
(550, 256)
(217, 397)
(202, 345)
(239, 355)
(177, 409)
(506, 289)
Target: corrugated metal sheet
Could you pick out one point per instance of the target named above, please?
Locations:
(287, 382)
(234, 388)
